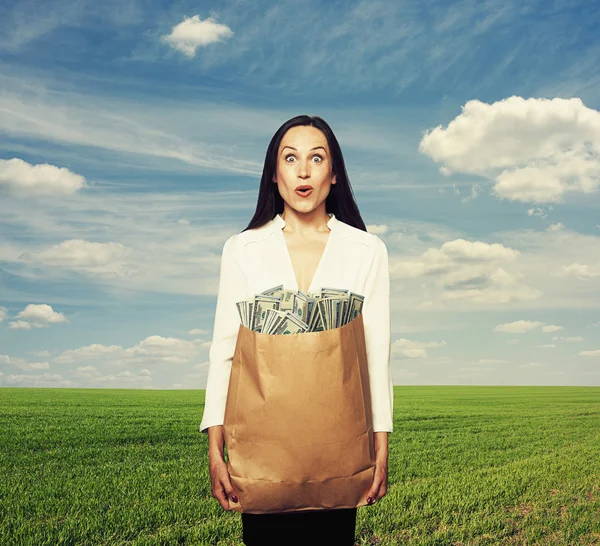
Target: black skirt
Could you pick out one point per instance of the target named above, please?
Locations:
(308, 527)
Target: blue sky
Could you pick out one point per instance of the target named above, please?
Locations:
(132, 141)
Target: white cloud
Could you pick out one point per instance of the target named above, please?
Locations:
(580, 271)
(532, 365)
(536, 150)
(551, 328)
(22, 364)
(537, 211)
(166, 349)
(405, 348)
(39, 353)
(475, 191)
(466, 251)
(194, 32)
(153, 350)
(377, 229)
(37, 380)
(570, 339)
(105, 259)
(23, 179)
(452, 255)
(140, 228)
(90, 376)
(523, 326)
(93, 351)
(521, 273)
(42, 313)
(490, 361)
(201, 365)
(197, 332)
(594, 353)
(37, 316)
(468, 270)
(114, 366)
(3, 313)
(84, 376)
(130, 367)
(86, 372)
(499, 287)
(19, 325)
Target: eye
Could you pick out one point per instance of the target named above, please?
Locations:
(316, 155)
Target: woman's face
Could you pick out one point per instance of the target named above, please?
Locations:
(303, 159)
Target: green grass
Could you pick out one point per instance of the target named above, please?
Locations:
(468, 466)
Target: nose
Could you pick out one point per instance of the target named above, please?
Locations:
(303, 169)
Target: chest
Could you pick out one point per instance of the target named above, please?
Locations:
(305, 256)
(269, 262)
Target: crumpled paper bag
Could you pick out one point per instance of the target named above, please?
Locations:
(298, 423)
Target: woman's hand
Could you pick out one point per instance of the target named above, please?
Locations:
(380, 481)
(222, 489)
(221, 483)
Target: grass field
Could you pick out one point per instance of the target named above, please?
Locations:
(468, 466)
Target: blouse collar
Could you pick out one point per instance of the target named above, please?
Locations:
(331, 224)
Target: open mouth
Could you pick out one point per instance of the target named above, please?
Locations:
(303, 190)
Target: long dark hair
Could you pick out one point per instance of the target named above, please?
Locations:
(340, 200)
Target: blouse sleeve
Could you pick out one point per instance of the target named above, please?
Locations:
(376, 315)
(232, 288)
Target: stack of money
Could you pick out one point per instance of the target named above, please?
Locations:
(281, 311)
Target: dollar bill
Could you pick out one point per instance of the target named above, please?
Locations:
(280, 311)
(261, 305)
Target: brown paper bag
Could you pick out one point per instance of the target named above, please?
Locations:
(298, 423)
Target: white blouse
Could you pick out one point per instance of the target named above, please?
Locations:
(258, 259)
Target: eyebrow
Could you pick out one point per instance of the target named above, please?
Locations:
(315, 148)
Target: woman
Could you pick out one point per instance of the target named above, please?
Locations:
(305, 240)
